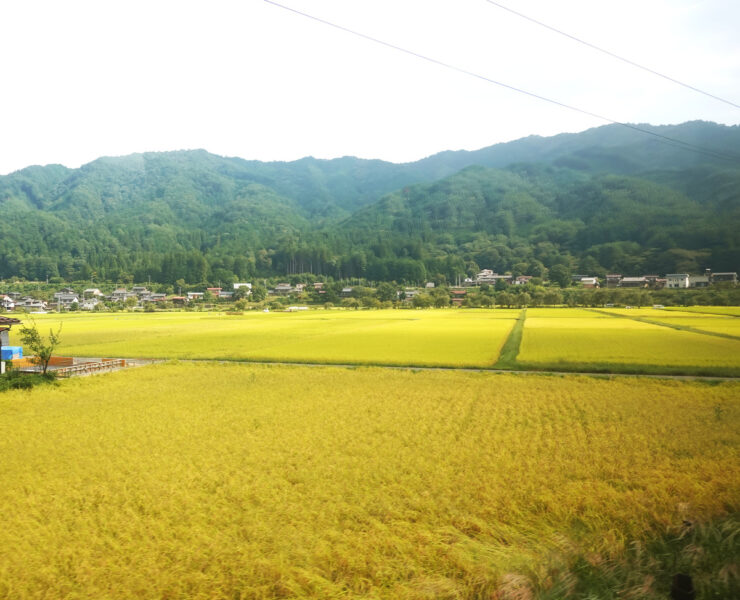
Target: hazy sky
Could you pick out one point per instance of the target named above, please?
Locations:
(81, 79)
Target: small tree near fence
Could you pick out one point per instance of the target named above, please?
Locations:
(41, 349)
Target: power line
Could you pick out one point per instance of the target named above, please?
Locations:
(673, 141)
(608, 53)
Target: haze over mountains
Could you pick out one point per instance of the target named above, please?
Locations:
(608, 199)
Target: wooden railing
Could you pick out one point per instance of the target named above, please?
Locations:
(92, 367)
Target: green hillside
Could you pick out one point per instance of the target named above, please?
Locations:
(608, 199)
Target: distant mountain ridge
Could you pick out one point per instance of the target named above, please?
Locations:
(346, 216)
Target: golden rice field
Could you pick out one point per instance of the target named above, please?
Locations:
(251, 481)
(568, 339)
(556, 337)
(405, 337)
(710, 310)
(726, 324)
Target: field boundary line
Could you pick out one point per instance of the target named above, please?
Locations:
(673, 309)
(512, 371)
(596, 370)
(510, 349)
(669, 325)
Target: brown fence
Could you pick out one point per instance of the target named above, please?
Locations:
(65, 366)
(91, 367)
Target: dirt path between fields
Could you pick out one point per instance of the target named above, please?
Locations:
(465, 369)
(141, 362)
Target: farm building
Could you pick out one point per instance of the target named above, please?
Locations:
(458, 297)
(724, 278)
(7, 352)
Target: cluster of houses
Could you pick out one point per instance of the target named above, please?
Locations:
(617, 280)
(285, 289)
(68, 298)
(492, 278)
(672, 280)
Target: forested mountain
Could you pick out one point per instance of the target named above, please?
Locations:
(608, 199)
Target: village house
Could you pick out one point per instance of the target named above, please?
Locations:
(346, 292)
(457, 297)
(725, 278)
(613, 279)
(121, 295)
(7, 352)
(6, 302)
(282, 289)
(633, 282)
(140, 291)
(491, 278)
(677, 280)
(89, 303)
(152, 297)
(486, 276)
(589, 282)
(247, 286)
(92, 293)
(653, 281)
(31, 304)
(522, 280)
(700, 281)
(66, 298)
(195, 296)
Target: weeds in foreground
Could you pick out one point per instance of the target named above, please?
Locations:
(707, 553)
(15, 380)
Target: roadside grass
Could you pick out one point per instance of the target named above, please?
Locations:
(510, 350)
(606, 368)
(14, 380)
(204, 480)
(708, 552)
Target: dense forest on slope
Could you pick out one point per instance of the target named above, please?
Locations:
(608, 199)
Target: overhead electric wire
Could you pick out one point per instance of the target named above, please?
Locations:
(612, 54)
(672, 141)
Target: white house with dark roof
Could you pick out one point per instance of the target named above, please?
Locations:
(6, 302)
(677, 280)
(66, 298)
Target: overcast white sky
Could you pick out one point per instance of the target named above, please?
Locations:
(81, 79)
